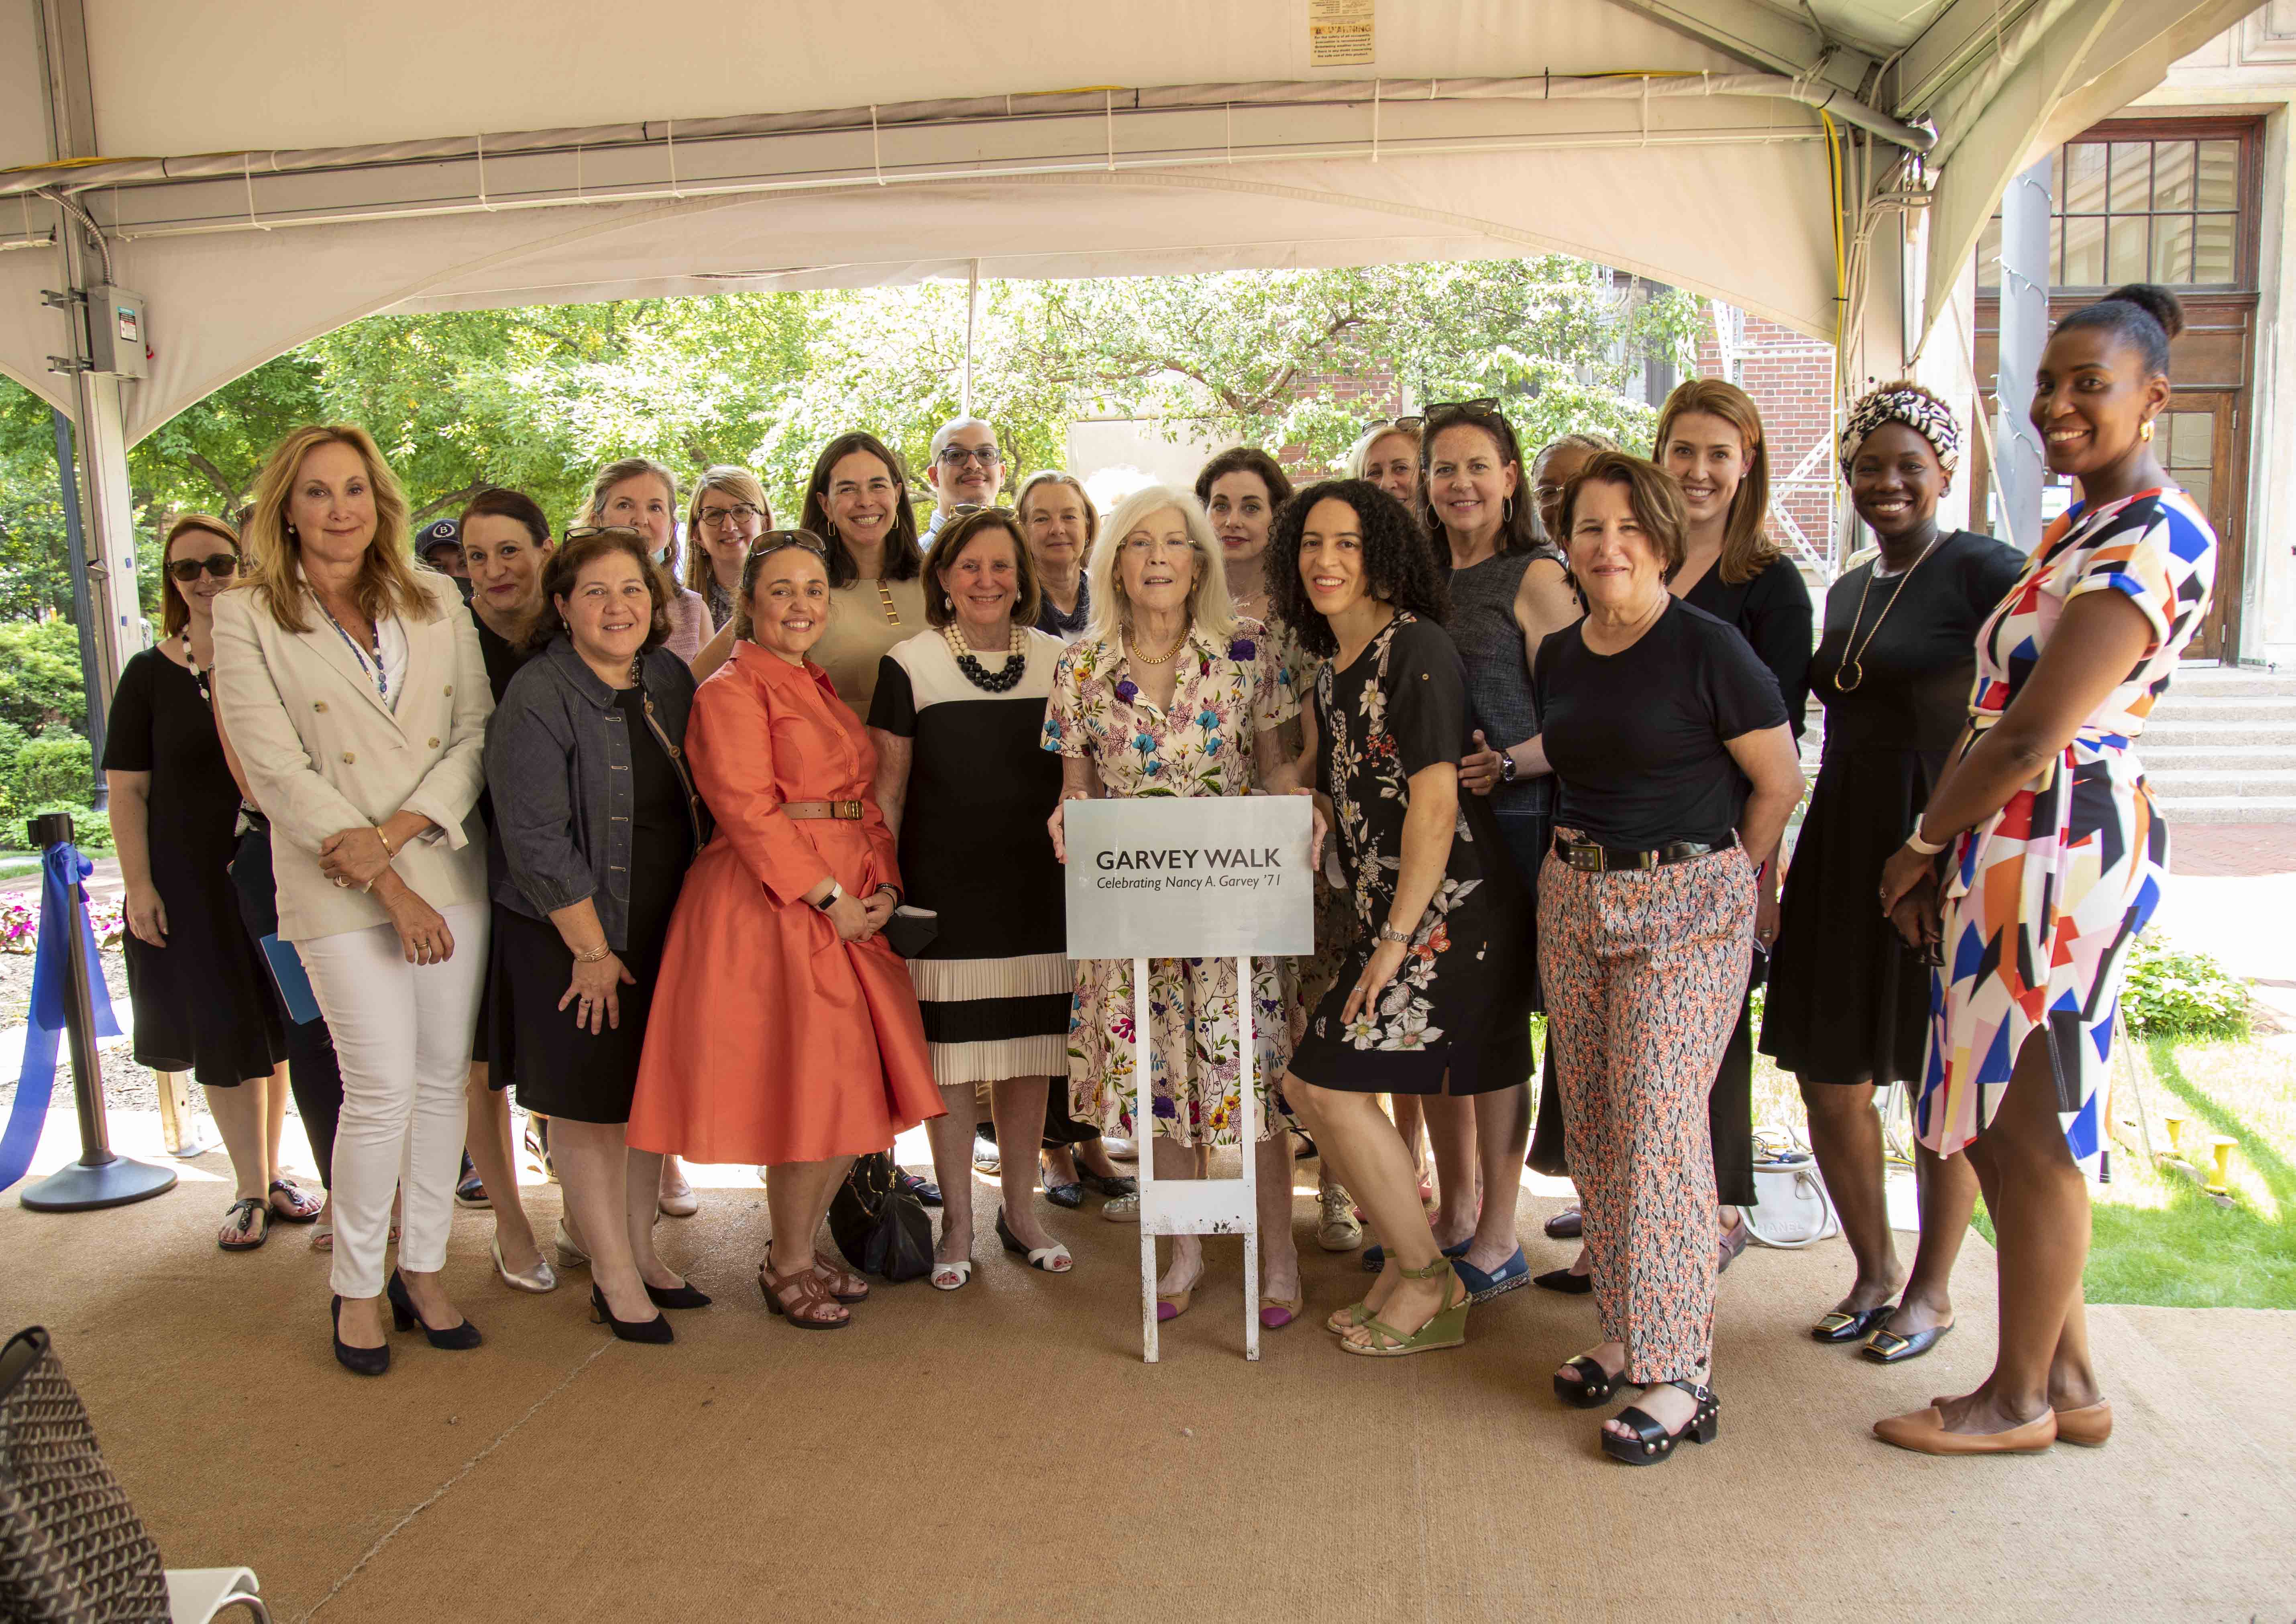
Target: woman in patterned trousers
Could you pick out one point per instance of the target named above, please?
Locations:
(1677, 770)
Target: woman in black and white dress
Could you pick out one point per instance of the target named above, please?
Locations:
(964, 783)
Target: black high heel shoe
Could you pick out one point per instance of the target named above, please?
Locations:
(358, 1361)
(654, 1330)
(674, 1297)
(454, 1339)
(1653, 1443)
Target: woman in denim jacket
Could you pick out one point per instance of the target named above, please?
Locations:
(598, 819)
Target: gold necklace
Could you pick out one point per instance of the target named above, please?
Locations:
(1163, 659)
(1851, 677)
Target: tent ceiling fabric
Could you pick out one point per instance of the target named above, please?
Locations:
(1724, 194)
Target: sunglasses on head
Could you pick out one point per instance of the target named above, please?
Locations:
(223, 566)
(1487, 407)
(769, 540)
(579, 531)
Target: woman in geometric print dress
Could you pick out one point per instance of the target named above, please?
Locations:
(2057, 860)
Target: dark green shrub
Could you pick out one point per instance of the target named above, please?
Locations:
(53, 767)
(2169, 993)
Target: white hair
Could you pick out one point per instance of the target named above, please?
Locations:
(1378, 431)
(1209, 609)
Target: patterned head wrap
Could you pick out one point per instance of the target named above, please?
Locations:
(1911, 405)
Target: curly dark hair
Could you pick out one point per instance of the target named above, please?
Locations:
(1396, 561)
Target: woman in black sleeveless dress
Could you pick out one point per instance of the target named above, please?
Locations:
(1508, 591)
(1849, 1001)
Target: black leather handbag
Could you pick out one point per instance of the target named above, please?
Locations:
(881, 1227)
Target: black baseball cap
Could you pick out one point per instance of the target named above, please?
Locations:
(438, 533)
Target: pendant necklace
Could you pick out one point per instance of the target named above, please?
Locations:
(1852, 674)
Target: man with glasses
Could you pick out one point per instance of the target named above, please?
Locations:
(966, 470)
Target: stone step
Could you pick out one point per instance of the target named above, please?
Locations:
(2226, 708)
(2224, 680)
(2162, 758)
(2226, 810)
(2215, 783)
(2208, 733)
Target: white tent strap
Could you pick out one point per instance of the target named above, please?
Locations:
(1111, 102)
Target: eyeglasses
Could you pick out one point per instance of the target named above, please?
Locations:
(1487, 407)
(957, 457)
(223, 566)
(715, 517)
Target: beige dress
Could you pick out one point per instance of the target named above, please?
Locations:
(862, 631)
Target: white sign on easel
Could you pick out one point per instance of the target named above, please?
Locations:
(1192, 877)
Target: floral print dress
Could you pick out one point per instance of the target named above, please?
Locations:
(2043, 898)
(1225, 697)
(1313, 973)
(1460, 1004)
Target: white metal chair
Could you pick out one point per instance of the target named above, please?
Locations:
(197, 1595)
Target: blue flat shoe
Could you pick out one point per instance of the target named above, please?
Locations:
(1481, 1287)
(1375, 1258)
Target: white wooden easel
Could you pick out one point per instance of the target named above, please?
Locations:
(1196, 1206)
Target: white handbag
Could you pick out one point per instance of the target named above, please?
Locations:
(1793, 1209)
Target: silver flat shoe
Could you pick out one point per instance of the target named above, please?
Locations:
(541, 1277)
(1123, 1210)
(569, 1256)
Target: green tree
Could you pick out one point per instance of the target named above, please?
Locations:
(40, 675)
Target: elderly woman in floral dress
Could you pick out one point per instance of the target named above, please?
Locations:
(1169, 694)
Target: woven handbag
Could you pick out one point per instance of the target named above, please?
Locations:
(72, 1550)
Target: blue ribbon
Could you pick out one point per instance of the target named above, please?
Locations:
(61, 871)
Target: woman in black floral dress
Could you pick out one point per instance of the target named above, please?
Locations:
(1435, 996)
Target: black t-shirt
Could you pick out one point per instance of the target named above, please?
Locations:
(1637, 739)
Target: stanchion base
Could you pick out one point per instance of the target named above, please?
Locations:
(82, 1187)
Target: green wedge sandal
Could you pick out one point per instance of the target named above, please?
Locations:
(1448, 1329)
(1357, 1313)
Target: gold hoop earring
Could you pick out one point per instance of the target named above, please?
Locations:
(2145, 430)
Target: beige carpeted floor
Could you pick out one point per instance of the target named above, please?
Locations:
(1003, 1452)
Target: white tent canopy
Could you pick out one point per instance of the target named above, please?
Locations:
(670, 119)
(263, 172)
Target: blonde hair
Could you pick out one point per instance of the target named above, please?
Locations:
(386, 582)
(1210, 610)
(1054, 476)
(1747, 549)
(738, 483)
(1378, 431)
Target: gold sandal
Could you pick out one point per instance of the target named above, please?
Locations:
(1447, 1329)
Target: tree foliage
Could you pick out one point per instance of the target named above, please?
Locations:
(537, 398)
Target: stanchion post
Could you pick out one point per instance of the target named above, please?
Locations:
(1143, 1137)
(99, 1179)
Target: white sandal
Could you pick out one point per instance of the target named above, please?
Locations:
(1052, 1259)
(952, 1276)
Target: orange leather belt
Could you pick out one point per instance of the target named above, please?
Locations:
(846, 811)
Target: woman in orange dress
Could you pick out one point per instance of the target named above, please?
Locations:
(794, 1038)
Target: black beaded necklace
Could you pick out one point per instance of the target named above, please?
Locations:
(1016, 661)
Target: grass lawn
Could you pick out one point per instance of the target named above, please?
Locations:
(2158, 1239)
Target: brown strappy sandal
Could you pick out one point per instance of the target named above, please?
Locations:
(843, 1284)
(802, 1299)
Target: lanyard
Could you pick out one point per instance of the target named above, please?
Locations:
(375, 673)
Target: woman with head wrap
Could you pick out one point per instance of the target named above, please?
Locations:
(1849, 1000)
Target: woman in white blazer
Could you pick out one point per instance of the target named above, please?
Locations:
(357, 701)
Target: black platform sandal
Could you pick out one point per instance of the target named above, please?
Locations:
(1595, 1384)
(1653, 1443)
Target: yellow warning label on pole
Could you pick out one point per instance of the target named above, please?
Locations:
(1338, 33)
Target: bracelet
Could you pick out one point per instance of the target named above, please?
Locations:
(598, 954)
(388, 854)
(1389, 933)
(1925, 848)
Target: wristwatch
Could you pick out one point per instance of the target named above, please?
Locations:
(1506, 767)
(836, 893)
(1389, 933)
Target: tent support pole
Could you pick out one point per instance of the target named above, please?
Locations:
(971, 318)
(2025, 276)
(114, 619)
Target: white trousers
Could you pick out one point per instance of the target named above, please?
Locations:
(402, 1035)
